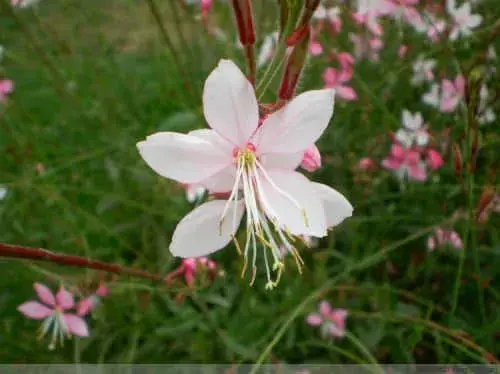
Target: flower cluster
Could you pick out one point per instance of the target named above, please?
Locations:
(331, 321)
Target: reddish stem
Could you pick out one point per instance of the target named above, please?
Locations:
(40, 254)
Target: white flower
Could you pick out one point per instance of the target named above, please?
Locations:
(486, 114)
(267, 48)
(256, 165)
(413, 130)
(463, 20)
(423, 70)
(3, 192)
(433, 97)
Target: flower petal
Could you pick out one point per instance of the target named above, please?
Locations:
(229, 103)
(288, 161)
(184, 158)
(298, 125)
(337, 207)
(291, 200)
(76, 325)
(314, 319)
(324, 308)
(222, 181)
(200, 232)
(45, 294)
(34, 310)
(64, 299)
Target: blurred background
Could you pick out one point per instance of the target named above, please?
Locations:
(416, 267)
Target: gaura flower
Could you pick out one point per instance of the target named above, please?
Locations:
(423, 70)
(256, 165)
(6, 87)
(413, 131)
(338, 80)
(452, 92)
(463, 20)
(88, 304)
(332, 321)
(53, 310)
(405, 163)
(444, 237)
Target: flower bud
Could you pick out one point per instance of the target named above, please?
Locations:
(312, 159)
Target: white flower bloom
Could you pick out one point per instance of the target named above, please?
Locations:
(413, 131)
(433, 97)
(423, 70)
(463, 20)
(255, 164)
(486, 114)
(3, 192)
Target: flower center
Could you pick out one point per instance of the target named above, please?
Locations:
(248, 184)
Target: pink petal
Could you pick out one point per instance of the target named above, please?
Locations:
(314, 319)
(35, 310)
(460, 84)
(391, 163)
(335, 331)
(330, 77)
(397, 151)
(102, 291)
(324, 308)
(6, 86)
(347, 93)
(431, 243)
(315, 48)
(435, 161)
(45, 294)
(64, 299)
(417, 172)
(76, 325)
(84, 306)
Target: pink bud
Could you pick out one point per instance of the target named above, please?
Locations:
(366, 163)
(102, 291)
(402, 50)
(312, 159)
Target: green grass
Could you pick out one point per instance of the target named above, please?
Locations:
(93, 80)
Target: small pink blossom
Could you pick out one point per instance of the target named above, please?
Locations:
(405, 162)
(345, 60)
(366, 163)
(407, 10)
(332, 321)
(312, 159)
(434, 159)
(53, 311)
(6, 87)
(191, 266)
(452, 93)
(403, 48)
(332, 15)
(443, 237)
(366, 47)
(315, 48)
(337, 80)
(463, 20)
(368, 21)
(85, 306)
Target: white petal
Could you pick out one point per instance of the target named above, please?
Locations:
(199, 233)
(214, 138)
(336, 206)
(222, 181)
(291, 215)
(287, 161)
(229, 103)
(184, 158)
(298, 125)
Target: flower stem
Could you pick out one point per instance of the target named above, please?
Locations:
(40, 254)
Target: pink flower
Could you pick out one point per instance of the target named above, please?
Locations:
(88, 304)
(463, 20)
(368, 21)
(312, 159)
(452, 93)
(366, 47)
(443, 237)
(331, 14)
(345, 60)
(6, 87)
(405, 162)
(53, 310)
(315, 48)
(332, 321)
(190, 267)
(406, 9)
(403, 48)
(366, 163)
(335, 79)
(434, 159)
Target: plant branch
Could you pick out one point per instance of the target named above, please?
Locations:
(40, 254)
